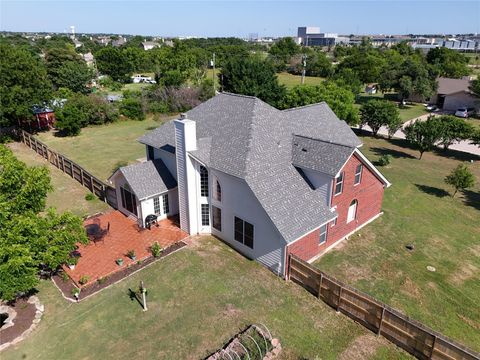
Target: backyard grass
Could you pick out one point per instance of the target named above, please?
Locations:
(68, 194)
(198, 298)
(445, 232)
(101, 149)
(474, 122)
(290, 80)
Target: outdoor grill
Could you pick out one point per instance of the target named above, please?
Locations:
(150, 220)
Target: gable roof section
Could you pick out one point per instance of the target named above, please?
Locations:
(319, 155)
(447, 86)
(249, 139)
(148, 178)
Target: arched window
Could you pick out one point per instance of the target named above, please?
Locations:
(203, 181)
(352, 211)
(217, 190)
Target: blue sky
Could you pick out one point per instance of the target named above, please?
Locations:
(239, 18)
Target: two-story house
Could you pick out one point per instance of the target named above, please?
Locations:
(267, 182)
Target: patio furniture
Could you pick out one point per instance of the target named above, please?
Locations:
(95, 233)
(150, 220)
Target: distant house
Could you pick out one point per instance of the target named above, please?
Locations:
(119, 42)
(88, 58)
(371, 89)
(268, 182)
(43, 118)
(454, 93)
(149, 45)
(77, 43)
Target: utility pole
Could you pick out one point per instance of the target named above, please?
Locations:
(304, 63)
(213, 65)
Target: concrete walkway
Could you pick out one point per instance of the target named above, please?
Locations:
(463, 146)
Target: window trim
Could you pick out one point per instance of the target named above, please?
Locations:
(133, 198)
(202, 218)
(156, 204)
(341, 176)
(354, 201)
(204, 181)
(165, 204)
(243, 231)
(359, 174)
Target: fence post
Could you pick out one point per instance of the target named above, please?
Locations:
(289, 262)
(433, 346)
(320, 286)
(339, 298)
(81, 176)
(381, 321)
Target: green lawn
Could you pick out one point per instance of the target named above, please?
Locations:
(198, 298)
(474, 122)
(445, 232)
(68, 194)
(290, 80)
(101, 149)
(408, 112)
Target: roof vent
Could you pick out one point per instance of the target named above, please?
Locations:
(183, 116)
(304, 150)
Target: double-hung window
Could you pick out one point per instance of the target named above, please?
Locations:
(156, 206)
(358, 174)
(339, 184)
(205, 215)
(244, 232)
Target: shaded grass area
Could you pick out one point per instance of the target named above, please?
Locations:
(445, 231)
(68, 194)
(198, 298)
(407, 112)
(101, 149)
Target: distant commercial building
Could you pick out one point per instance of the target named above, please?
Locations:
(311, 36)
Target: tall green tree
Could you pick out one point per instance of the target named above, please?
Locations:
(252, 76)
(453, 129)
(66, 69)
(114, 63)
(29, 239)
(23, 83)
(378, 113)
(448, 62)
(340, 99)
(282, 51)
(461, 178)
(423, 135)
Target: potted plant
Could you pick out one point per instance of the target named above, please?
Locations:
(71, 262)
(119, 261)
(131, 254)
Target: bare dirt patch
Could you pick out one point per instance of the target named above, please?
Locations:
(470, 322)
(363, 347)
(465, 272)
(409, 287)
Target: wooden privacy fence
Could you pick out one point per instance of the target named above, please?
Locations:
(398, 328)
(103, 191)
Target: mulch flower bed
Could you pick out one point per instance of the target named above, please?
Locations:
(22, 321)
(67, 286)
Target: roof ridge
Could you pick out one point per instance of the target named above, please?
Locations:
(304, 106)
(324, 141)
(239, 95)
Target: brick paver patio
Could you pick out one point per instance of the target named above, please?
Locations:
(98, 259)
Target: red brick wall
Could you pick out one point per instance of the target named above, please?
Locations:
(369, 194)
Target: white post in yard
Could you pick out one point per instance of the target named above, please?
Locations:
(144, 297)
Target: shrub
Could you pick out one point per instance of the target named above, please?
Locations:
(89, 197)
(75, 292)
(132, 108)
(84, 279)
(384, 160)
(64, 276)
(156, 249)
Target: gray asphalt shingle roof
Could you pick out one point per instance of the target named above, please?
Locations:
(319, 155)
(148, 178)
(249, 139)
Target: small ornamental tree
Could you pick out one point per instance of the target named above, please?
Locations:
(378, 113)
(460, 178)
(453, 129)
(423, 134)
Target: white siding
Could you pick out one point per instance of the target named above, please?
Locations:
(238, 200)
(148, 207)
(119, 180)
(321, 183)
(168, 158)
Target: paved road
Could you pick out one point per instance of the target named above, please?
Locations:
(463, 146)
